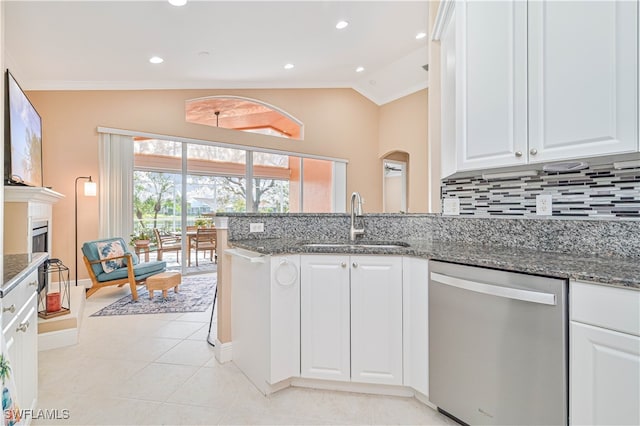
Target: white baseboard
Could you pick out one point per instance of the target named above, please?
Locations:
(424, 399)
(57, 339)
(222, 351)
(86, 283)
(391, 390)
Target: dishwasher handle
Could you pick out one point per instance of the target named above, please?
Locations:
(495, 290)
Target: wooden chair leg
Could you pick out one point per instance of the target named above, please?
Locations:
(134, 290)
(159, 254)
(91, 290)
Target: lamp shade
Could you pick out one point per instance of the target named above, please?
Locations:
(90, 189)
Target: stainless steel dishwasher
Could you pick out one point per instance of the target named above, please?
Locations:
(498, 346)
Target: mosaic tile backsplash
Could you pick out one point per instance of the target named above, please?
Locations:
(595, 192)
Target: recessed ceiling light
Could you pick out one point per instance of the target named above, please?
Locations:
(177, 2)
(156, 60)
(342, 25)
(288, 66)
(420, 35)
(359, 69)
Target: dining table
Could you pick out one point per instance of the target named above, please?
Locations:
(191, 234)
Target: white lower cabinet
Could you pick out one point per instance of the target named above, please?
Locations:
(351, 318)
(415, 329)
(324, 317)
(20, 329)
(265, 314)
(605, 355)
(376, 319)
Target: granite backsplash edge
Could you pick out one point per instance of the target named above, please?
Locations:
(618, 238)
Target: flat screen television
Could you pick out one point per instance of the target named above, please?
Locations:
(22, 139)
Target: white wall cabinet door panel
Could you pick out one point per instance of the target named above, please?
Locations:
(491, 84)
(448, 161)
(583, 87)
(605, 376)
(324, 317)
(376, 319)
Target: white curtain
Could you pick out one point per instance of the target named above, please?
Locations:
(115, 186)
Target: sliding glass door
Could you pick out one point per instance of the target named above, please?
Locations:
(179, 186)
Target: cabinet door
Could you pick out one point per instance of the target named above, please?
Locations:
(448, 163)
(284, 327)
(605, 376)
(324, 317)
(376, 319)
(21, 335)
(491, 85)
(28, 343)
(583, 65)
(250, 318)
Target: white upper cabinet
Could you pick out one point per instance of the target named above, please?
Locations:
(583, 87)
(491, 84)
(538, 81)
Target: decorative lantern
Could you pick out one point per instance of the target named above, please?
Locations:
(55, 298)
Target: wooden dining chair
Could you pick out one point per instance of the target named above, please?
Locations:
(204, 240)
(167, 243)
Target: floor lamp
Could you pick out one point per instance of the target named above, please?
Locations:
(90, 190)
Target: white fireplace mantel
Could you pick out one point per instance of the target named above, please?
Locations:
(29, 194)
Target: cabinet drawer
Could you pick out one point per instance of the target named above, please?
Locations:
(614, 308)
(13, 302)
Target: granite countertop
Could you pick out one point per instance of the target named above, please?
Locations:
(16, 267)
(613, 271)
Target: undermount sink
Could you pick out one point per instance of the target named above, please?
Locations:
(365, 244)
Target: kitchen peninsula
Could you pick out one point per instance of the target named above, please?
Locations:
(307, 279)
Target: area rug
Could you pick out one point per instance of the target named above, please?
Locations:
(195, 294)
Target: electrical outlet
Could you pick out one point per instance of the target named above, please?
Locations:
(256, 227)
(451, 206)
(544, 205)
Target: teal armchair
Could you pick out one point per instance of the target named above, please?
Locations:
(109, 262)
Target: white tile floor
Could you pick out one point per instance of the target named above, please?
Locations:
(159, 369)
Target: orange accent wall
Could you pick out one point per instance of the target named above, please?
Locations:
(317, 186)
(294, 185)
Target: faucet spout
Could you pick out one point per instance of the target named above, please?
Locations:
(356, 210)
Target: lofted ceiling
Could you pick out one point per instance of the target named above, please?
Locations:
(83, 45)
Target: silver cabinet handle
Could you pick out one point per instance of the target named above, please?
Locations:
(494, 290)
(23, 326)
(343, 264)
(533, 151)
(11, 308)
(33, 284)
(518, 153)
(355, 265)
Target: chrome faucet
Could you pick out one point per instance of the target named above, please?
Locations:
(356, 210)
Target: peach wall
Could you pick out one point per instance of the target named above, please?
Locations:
(403, 127)
(338, 123)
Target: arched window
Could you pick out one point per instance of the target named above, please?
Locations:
(238, 113)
